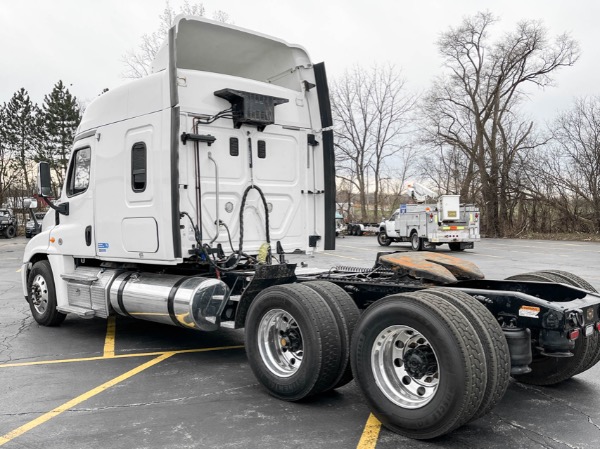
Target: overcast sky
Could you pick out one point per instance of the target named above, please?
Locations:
(82, 41)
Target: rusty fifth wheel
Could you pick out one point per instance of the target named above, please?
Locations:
(420, 364)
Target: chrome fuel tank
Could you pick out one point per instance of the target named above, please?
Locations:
(191, 302)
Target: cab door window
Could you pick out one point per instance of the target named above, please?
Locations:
(79, 172)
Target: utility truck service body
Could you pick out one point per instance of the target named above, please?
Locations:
(187, 189)
(426, 226)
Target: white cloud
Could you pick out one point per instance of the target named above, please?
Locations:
(82, 41)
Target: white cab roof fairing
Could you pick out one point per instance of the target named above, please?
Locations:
(206, 45)
(132, 99)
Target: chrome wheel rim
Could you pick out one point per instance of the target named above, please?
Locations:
(280, 343)
(39, 294)
(405, 366)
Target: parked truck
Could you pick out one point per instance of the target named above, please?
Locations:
(8, 223)
(427, 226)
(185, 192)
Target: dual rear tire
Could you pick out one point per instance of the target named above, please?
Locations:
(429, 362)
(426, 362)
(298, 338)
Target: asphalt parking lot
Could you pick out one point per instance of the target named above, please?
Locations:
(132, 384)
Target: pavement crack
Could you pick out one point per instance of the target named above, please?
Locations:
(526, 431)
(558, 400)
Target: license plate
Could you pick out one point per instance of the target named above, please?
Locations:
(589, 330)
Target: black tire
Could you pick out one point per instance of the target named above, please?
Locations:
(455, 246)
(346, 315)
(416, 242)
(41, 295)
(572, 279)
(317, 351)
(359, 231)
(537, 276)
(383, 239)
(10, 232)
(553, 370)
(28, 235)
(439, 329)
(495, 346)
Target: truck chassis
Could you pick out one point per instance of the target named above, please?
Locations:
(433, 331)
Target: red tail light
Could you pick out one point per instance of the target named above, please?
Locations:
(574, 334)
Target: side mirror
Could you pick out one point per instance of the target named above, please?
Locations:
(44, 181)
(45, 188)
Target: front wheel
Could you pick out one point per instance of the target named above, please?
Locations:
(293, 342)
(383, 239)
(10, 232)
(419, 364)
(41, 295)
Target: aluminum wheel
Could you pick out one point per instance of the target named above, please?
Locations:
(405, 366)
(39, 294)
(280, 343)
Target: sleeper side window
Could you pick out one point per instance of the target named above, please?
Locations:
(138, 167)
(79, 173)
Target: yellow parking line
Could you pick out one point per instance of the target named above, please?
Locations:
(109, 341)
(369, 437)
(19, 270)
(118, 356)
(79, 399)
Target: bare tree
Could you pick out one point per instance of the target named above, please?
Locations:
(571, 165)
(474, 107)
(371, 111)
(138, 62)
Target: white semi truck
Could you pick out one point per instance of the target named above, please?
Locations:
(180, 183)
(427, 226)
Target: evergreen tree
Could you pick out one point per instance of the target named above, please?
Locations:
(61, 116)
(8, 175)
(22, 133)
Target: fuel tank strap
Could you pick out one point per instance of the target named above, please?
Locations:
(171, 302)
(120, 295)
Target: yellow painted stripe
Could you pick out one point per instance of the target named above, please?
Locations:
(109, 341)
(19, 270)
(370, 434)
(79, 399)
(119, 356)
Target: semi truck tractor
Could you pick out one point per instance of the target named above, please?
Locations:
(187, 189)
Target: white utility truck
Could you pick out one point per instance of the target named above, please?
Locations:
(427, 226)
(179, 182)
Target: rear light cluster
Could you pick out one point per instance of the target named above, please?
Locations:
(575, 333)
